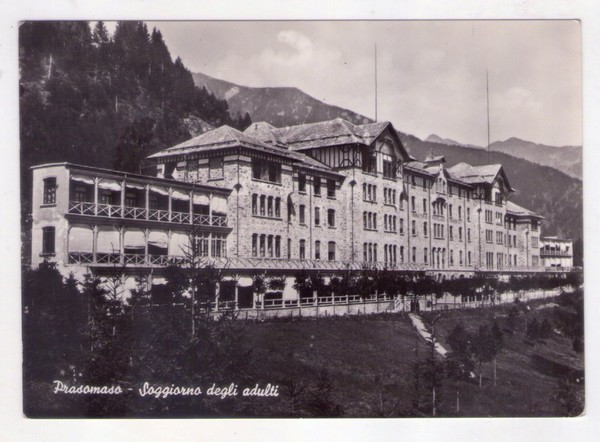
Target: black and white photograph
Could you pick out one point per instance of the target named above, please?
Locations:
(301, 219)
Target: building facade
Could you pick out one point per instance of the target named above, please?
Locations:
(90, 220)
(321, 197)
(556, 252)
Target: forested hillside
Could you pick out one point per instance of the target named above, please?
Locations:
(108, 101)
(547, 191)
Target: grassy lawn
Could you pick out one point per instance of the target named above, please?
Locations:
(368, 360)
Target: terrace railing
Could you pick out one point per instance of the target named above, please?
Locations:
(141, 213)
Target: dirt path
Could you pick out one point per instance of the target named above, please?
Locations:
(418, 324)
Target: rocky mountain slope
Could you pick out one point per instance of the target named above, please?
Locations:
(567, 159)
(280, 106)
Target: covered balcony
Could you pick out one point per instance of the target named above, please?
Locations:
(134, 199)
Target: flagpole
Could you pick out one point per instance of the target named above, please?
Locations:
(487, 95)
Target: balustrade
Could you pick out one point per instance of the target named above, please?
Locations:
(140, 213)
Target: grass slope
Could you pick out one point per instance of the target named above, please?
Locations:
(523, 388)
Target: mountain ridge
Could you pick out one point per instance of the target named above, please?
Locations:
(272, 104)
(567, 159)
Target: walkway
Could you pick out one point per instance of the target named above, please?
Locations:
(418, 324)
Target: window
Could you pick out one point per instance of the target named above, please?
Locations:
(459, 212)
(369, 163)
(331, 188)
(278, 207)
(130, 199)
(106, 198)
(425, 255)
(317, 185)
(460, 258)
(534, 226)
(468, 258)
(48, 240)
(414, 254)
(317, 216)
(374, 252)
(388, 167)
(489, 238)
(218, 246)
(302, 214)
(302, 250)
(80, 194)
(401, 226)
(469, 235)
(254, 204)
(488, 216)
(331, 218)
(278, 246)
(499, 218)
(301, 183)
(450, 211)
(254, 244)
(215, 169)
(414, 228)
(460, 233)
(317, 249)
(498, 199)
(270, 206)
(266, 170)
(262, 205)
(468, 214)
(331, 251)
(451, 233)
(535, 261)
(424, 205)
(262, 245)
(270, 246)
(289, 248)
(412, 203)
(425, 229)
(534, 242)
(451, 257)
(49, 191)
(499, 238)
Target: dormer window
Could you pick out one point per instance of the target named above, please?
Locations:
(388, 167)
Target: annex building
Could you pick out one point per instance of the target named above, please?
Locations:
(323, 197)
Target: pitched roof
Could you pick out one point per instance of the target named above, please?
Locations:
(266, 133)
(222, 137)
(477, 174)
(515, 209)
(329, 133)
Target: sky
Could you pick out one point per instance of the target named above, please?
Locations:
(431, 75)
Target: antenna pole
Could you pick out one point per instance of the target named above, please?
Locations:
(375, 81)
(487, 94)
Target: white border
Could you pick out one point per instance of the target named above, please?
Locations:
(15, 427)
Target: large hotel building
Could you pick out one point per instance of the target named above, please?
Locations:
(323, 197)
